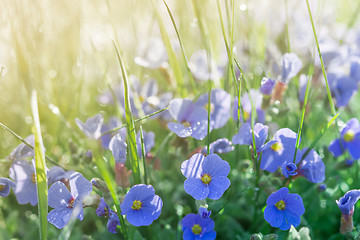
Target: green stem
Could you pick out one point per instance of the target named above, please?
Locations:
(143, 154)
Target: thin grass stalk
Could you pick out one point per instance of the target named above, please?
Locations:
(130, 126)
(143, 155)
(41, 179)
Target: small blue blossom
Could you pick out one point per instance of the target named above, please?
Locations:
(149, 142)
(267, 85)
(103, 210)
(196, 228)
(68, 205)
(220, 104)
(56, 173)
(244, 136)
(152, 53)
(279, 150)
(349, 140)
(311, 167)
(206, 176)
(118, 148)
(204, 213)
(5, 186)
(222, 145)
(346, 205)
(284, 209)
(192, 119)
(92, 126)
(291, 65)
(342, 87)
(114, 122)
(322, 187)
(199, 67)
(141, 206)
(256, 99)
(288, 169)
(23, 173)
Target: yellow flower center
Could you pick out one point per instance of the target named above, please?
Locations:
(2, 187)
(206, 179)
(71, 202)
(142, 99)
(196, 229)
(34, 178)
(280, 205)
(136, 205)
(186, 123)
(349, 136)
(211, 107)
(246, 115)
(276, 146)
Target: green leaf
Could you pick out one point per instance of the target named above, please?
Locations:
(130, 126)
(41, 181)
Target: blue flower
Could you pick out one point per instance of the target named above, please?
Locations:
(192, 119)
(349, 140)
(206, 176)
(103, 210)
(68, 205)
(346, 205)
(311, 167)
(118, 148)
(244, 136)
(23, 151)
(56, 173)
(288, 169)
(291, 65)
(114, 122)
(222, 145)
(149, 142)
(284, 209)
(195, 227)
(5, 186)
(25, 181)
(342, 87)
(141, 206)
(279, 150)
(220, 104)
(92, 126)
(199, 67)
(152, 53)
(267, 85)
(204, 213)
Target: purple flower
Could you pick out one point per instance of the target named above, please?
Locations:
(256, 98)
(106, 138)
(220, 105)
(23, 151)
(25, 181)
(118, 148)
(346, 205)
(195, 227)
(192, 119)
(244, 136)
(5, 186)
(288, 169)
(342, 87)
(68, 205)
(141, 206)
(92, 126)
(267, 85)
(222, 145)
(355, 68)
(149, 142)
(152, 53)
(311, 167)
(291, 65)
(204, 213)
(199, 67)
(103, 210)
(279, 150)
(284, 209)
(206, 176)
(349, 140)
(56, 174)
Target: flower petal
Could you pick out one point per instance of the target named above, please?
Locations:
(196, 188)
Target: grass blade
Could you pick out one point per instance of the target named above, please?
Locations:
(41, 181)
(332, 107)
(174, 63)
(131, 136)
(311, 70)
(208, 125)
(191, 79)
(143, 154)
